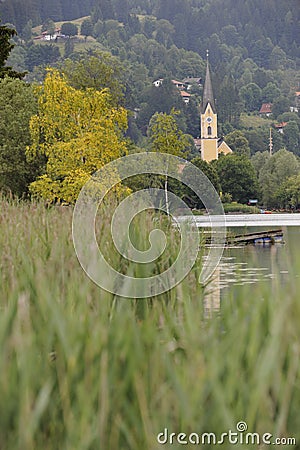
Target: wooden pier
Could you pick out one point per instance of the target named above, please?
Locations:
(258, 238)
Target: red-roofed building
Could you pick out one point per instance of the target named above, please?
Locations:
(280, 126)
(185, 96)
(178, 84)
(266, 109)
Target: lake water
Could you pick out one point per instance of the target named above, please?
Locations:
(249, 264)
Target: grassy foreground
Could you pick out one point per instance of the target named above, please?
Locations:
(80, 369)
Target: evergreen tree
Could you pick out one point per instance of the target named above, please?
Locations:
(6, 47)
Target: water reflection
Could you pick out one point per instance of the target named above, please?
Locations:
(251, 264)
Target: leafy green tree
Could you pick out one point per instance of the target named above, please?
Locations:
(238, 143)
(259, 160)
(46, 25)
(289, 116)
(237, 177)
(251, 95)
(292, 137)
(258, 139)
(6, 47)
(86, 28)
(51, 27)
(166, 137)
(16, 58)
(158, 99)
(261, 77)
(280, 166)
(270, 92)
(280, 106)
(41, 54)
(98, 29)
(210, 171)
(288, 195)
(99, 71)
(69, 29)
(277, 58)
(18, 104)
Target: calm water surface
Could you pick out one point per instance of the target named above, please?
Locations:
(246, 265)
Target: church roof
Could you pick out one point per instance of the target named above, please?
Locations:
(208, 95)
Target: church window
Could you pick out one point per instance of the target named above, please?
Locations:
(209, 131)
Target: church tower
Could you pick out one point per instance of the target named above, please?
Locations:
(211, 145)
(209, 120)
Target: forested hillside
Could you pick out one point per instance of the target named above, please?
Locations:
(254, 25)
(141, 49)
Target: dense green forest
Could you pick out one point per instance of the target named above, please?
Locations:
(126, 45)
(255, 25)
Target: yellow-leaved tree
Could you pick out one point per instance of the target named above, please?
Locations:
(78, 132)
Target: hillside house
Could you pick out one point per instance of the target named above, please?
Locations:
(178, 84)
(280, 126)
(185, 96)
(190, 81)
(45, 36)
(265, 110)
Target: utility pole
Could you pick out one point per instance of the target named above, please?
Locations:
(271, 142)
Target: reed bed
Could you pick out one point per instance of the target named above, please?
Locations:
(83, 369)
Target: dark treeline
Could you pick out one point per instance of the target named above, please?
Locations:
(254, 25)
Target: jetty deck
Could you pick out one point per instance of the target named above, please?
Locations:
(261, 237)
(245, 220)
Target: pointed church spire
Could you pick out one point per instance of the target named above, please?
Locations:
(208, 95)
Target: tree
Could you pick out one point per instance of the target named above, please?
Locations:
(277, 58)
(46, 24)
(86, 28)
(18, 104)
(259, 160)
(237, 177)
(68, 47)
(77, 132)
(238, 143)
(69, 29)
(288, 194)
(280, 106)
(99, 71)
(166, 137)
(258, 139)
(192, 118)
(280, 166)
(270, 92)
(210, 171)
(40, 54)
(51, 27)
(251, 94)
(229, 103)
(158, 99)
(6, 47)
(27, 31)
(292, 137)
(16, 59)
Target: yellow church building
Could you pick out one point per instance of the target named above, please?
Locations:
(210, 145)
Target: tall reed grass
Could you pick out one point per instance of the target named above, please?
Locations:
(82, 369)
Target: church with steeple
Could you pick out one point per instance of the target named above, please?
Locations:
(210, 145)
